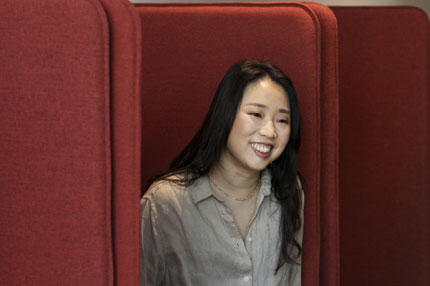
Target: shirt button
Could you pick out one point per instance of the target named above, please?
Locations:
(246, 278)
(249, 238)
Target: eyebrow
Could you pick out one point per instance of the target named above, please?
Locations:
(281, 110)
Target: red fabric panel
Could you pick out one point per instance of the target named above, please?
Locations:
(384, 168)
(329, 195)
(54, 144)
(125, 41)
(186, 50)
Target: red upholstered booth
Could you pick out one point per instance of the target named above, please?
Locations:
(70, 142)
(71, 93)
(384, 146)
(186, 49)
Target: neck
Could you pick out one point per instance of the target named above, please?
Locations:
(234, 181)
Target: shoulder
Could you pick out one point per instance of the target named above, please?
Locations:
(299, 182)
(301, 194)
(164, 190)
(299, 185)
(165, 187)
(163, 193)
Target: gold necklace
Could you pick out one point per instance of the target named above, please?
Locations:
(250, 195)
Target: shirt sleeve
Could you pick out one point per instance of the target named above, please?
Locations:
(152, 264)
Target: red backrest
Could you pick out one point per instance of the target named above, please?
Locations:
(125, 71)
(187, 49)
(55, 147)
(384, 159)
(70, 110)
(329, 124)
(69, 119)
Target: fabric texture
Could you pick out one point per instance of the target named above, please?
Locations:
(189, 238)
(55, 164)
(70, 142)
(187, 48)
(124, 66)
(383, 159)
(329, 122)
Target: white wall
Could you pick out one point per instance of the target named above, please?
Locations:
(423, 4)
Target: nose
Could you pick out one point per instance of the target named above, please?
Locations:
(268, 130)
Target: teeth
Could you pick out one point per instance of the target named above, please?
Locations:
(261, 147)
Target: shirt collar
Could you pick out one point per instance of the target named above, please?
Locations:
(201, 189)
(266, 182)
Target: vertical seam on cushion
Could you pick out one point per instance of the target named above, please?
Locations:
(428, 140)
(332, 156)
(108, 152)
(134, 134)
(317, 134)
(137, 111)
(336, 156)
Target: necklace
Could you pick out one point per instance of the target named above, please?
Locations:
(250, 195)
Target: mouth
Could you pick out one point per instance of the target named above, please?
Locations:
(261, 149)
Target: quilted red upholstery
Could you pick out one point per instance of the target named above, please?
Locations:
(384, 163)
(186, 50)
(69, 142)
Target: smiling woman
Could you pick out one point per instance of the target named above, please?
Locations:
(261, 127)
(230, 208)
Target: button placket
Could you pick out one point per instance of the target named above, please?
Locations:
(248, 244)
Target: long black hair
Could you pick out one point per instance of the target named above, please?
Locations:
(206, 147)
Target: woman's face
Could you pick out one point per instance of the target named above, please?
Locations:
(261, 128)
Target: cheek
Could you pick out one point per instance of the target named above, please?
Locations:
(284, 138)
(242, 125)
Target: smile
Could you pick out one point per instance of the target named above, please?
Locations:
(262, 150)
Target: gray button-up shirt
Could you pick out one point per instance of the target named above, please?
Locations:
(188, 237)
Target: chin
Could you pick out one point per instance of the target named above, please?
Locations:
(258, 167)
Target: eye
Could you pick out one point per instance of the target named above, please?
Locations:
(256, 114)
(285, 121)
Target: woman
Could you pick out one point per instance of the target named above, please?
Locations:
(229, 210)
